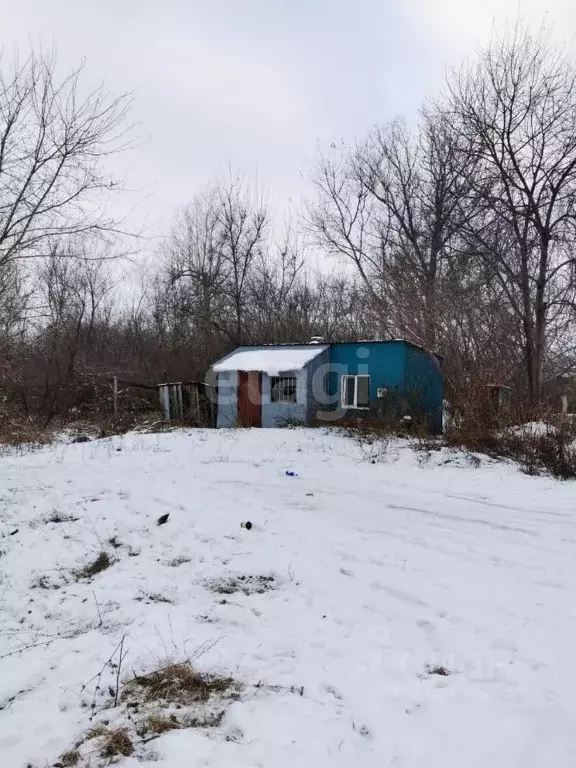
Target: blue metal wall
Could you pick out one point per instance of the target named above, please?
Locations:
(423, 384)
(411, 376)
(383, 361)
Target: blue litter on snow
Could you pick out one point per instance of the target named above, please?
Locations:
(289, 473)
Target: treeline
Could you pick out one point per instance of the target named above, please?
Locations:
(456, 233)
(462, 230)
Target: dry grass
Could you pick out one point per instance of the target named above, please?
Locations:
(68, 759)
(19, 433)
(101, 563)
(45, 582)
(96, 732)
(536, 436)
(177, 684)
(116, 743)
(153, 597)
(59, 517)
(378, 426)
(247, 584)
(209, 720)
(546, 451)
(178, 561)
(161, 724)
(175, 696)
(438, 669)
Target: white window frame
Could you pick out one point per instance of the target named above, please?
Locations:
(343, 391)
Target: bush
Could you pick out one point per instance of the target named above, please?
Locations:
(177, 683)
(543, 446)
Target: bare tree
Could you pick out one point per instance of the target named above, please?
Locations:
(59, 353)
(56, 190)
(515, 113)
(416, 182)
(342, 220)
(53, 144)
(245, 222)
(390, 206)
(15, 300)
(217, 246)
(196, 270)
(273, 286)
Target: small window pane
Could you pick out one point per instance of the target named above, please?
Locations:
(274, 389)
(363, 391)
(289, 390)
(282, 389)
(349, 388)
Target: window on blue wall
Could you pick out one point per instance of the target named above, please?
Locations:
(282, 389)
(355, 391)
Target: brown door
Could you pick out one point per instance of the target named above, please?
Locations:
(249, 399)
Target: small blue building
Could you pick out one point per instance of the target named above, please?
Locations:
(273, 385)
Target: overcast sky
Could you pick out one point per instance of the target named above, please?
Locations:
(259, 84)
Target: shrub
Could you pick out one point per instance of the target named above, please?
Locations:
(177, 683)
(546, 445)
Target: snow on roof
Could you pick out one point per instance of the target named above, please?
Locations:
(270, 360)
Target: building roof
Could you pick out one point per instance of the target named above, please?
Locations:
(272, 360)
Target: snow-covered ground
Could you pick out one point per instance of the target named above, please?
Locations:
(382, 572)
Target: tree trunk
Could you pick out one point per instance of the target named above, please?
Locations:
(540, 310)
(529, 334)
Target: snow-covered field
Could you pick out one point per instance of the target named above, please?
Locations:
(381, 571)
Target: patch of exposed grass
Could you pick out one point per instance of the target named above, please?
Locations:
(210, 720)
(550, 450)
(45, 582)
(177, 684)
(247, 584)
(59, 517)
(153, 597)
(116, 743)
(97, 732)
(101, 563)
(174, 696)
(24, 435)
(68, 759)
(438, 669)
(177, 561)
(161, 724)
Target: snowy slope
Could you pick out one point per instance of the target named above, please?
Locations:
(382, 572)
